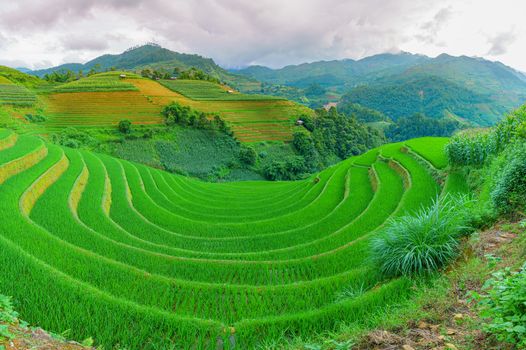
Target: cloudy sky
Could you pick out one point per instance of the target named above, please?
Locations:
(236, 33)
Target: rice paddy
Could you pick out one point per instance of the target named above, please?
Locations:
(103, 82)
(144, 259)
(208, 91)
(16, 95)
(100, 109)
(104, 99)
(252, 120)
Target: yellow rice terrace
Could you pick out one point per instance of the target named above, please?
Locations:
(138, 258)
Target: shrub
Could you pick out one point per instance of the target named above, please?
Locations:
(423, 242)
(290, 168)
(504, 306)
(74, 138)
(125, 126)
(35, 118)
(248, 155)
(508, 192)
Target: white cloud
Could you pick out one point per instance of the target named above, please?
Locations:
(269, 32)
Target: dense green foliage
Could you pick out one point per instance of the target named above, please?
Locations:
(476, 148)
(363, 114)
(176, 113)
(419, 125)
(74, 138)
(423, 242)
(248, 155)
(432, 96)
(503, 305)
(334, 135)
(508, 191)
(125, 126)
(35, 118)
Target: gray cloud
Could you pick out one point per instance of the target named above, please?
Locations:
(81, 42)
(429, 30)
(500, 43)
(233, 32)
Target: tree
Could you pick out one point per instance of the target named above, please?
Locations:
(146, 73)
(419, 125)
(125, 126)
(203, 122)
(248, 155)
(290, 168)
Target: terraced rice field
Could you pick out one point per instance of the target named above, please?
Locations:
(103, 82)
(251, 120)
(16, 95)
(208, 91)
(145, 259)
(100, 109)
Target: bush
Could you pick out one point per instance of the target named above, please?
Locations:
(423, 242)
(125, 126)
(504, 305)
(508, 191)
(248, 155)
(74, 138)
(35, 118)
(289, 169)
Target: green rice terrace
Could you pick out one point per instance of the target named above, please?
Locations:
(16, 95)
(208, 91)
(140, 258)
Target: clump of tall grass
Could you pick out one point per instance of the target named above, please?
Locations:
(425, 241)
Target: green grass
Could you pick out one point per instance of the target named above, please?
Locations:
(147, 259)
(205, 90)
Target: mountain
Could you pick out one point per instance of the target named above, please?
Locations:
(473, 89)
(470, 88)
(336, 74)
(23, 69)
(150, 56)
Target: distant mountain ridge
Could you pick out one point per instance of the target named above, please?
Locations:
(469, 88)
